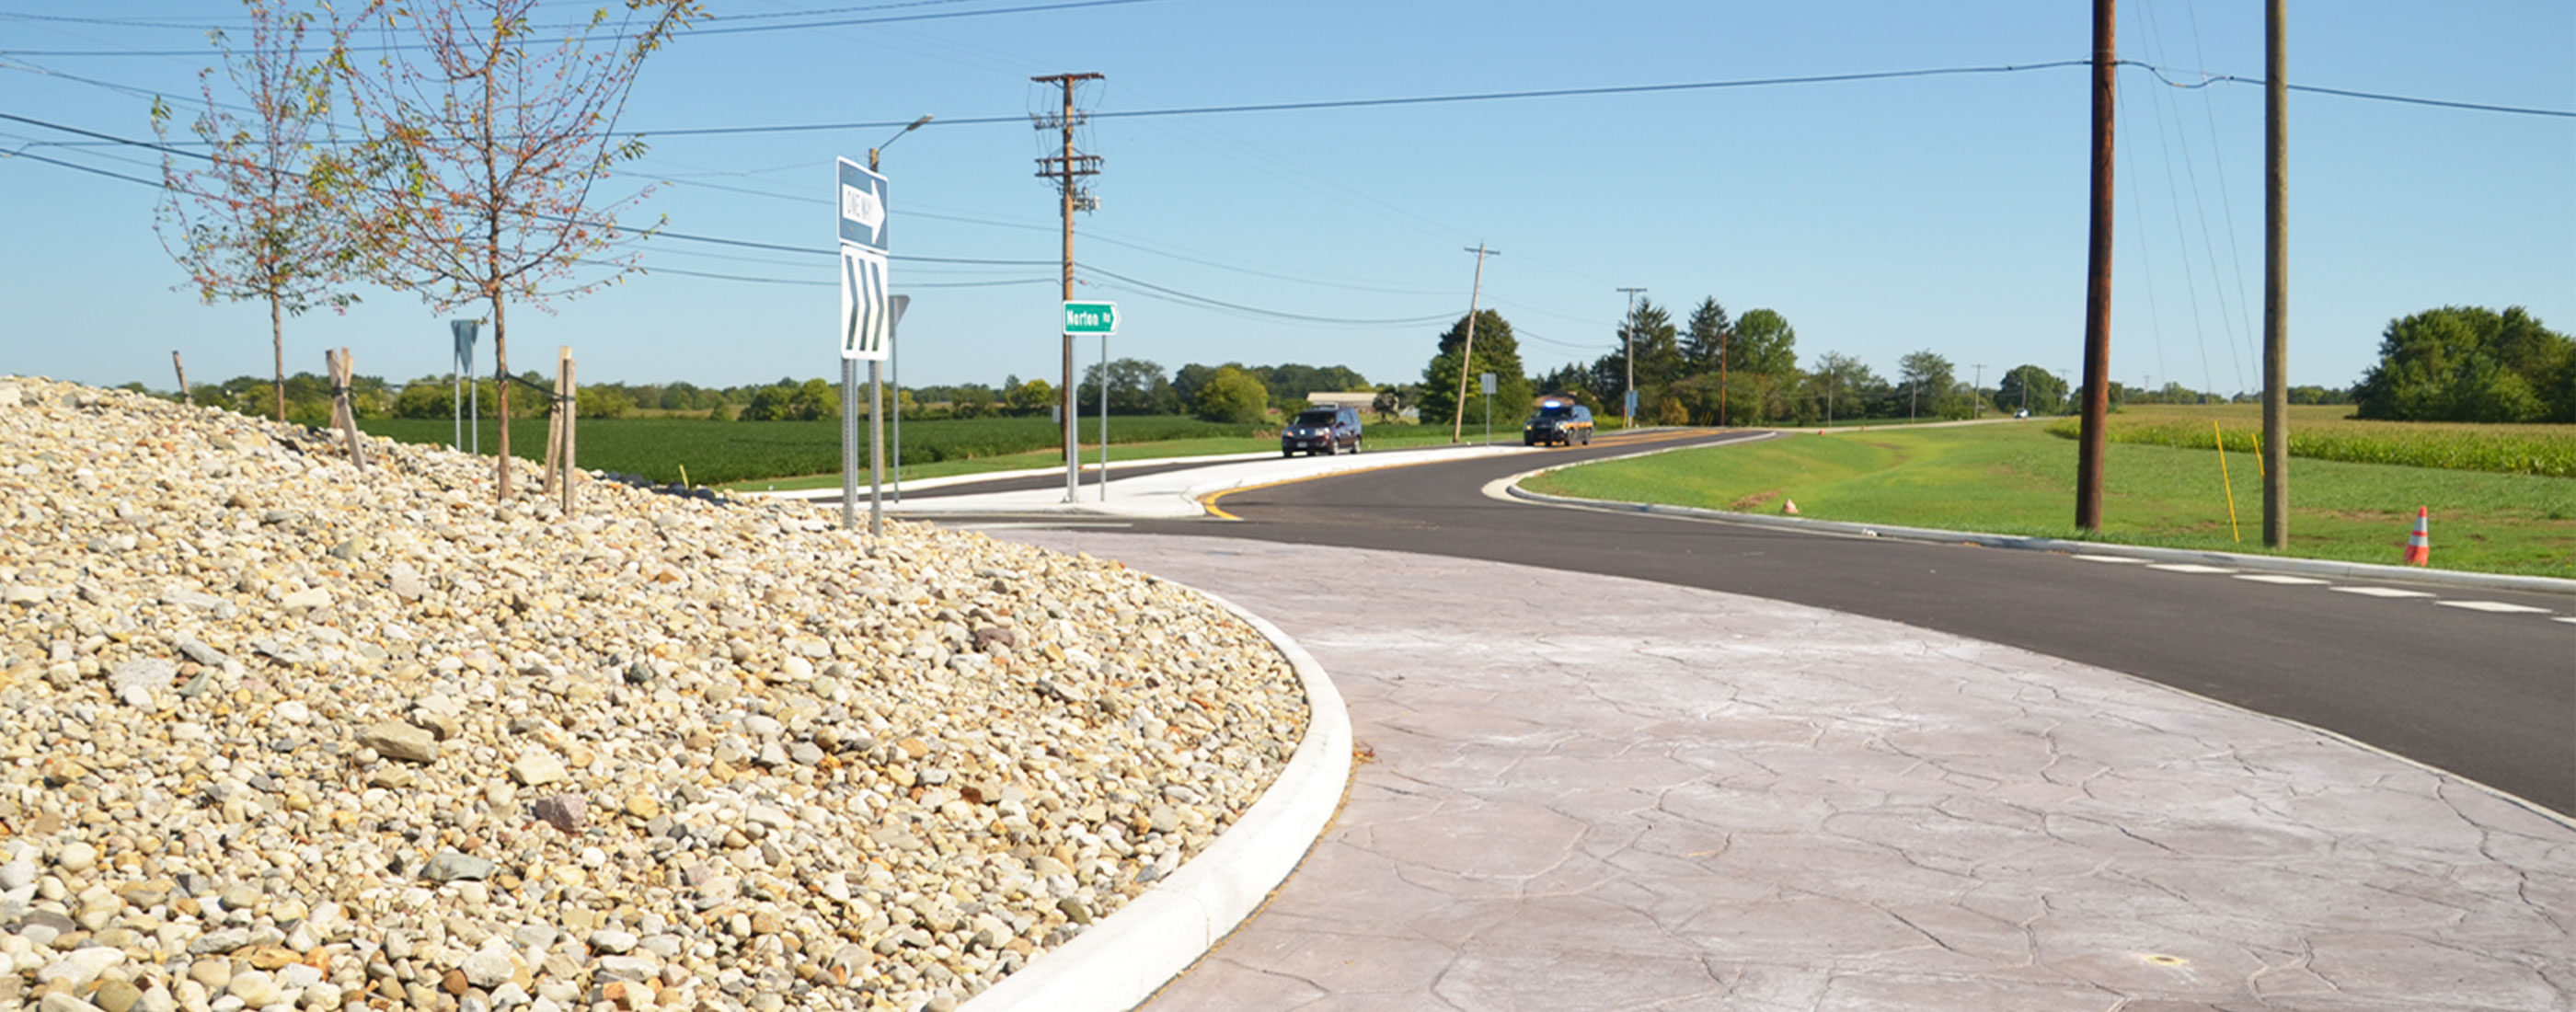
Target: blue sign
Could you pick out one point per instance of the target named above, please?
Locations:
(862, 200)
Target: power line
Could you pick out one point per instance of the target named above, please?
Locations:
(165, 23)
(1147, 287)
(801, 25)
(2207, 79)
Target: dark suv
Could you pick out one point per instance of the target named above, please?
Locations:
(1321, 430)
(1558, 421)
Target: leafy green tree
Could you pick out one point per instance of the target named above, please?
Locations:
(1705, 335)
(1030, 397)
(2032, 387)
(1232, 395)
(1136, 387)
(1847, 386)
(1497, 352)
(1765, 343)
(1926, 379)
(2470, 364)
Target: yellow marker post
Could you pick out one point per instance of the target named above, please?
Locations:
(2259, 470)
(2224, 483)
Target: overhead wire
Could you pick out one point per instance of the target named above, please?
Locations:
(694, 31)
(2227, 206)
(2209, 246)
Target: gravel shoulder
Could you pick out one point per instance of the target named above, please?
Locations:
(280, 733)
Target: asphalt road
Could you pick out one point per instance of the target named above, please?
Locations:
(2488, 696)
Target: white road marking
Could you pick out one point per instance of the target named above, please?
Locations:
(2188, 567)
(2569, 619)
(2284, 580)
(2108, 558)
(2498, 607)
(2382, 592)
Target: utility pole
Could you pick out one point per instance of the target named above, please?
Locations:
(2097, 285)
(1065, 167)
(1977, 392)
(1628, 334)
(2276, 276)
(1467, 352)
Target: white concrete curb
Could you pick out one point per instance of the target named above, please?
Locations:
(1508, 488)
(1122, 960)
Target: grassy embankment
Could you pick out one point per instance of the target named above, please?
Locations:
(792, 455)
(2017, 478)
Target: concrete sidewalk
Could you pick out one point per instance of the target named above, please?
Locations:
(1597, 793)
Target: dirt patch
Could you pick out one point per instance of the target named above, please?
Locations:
(1755, 501)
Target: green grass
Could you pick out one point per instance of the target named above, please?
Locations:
(2017, 479)
(808, 454)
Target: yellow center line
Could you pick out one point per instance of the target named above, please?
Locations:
(1208, 501)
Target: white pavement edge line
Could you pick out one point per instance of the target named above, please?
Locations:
(1508, 489)
(1131, 954)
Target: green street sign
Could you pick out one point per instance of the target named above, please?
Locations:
(1090, 317)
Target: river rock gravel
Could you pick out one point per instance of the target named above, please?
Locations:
(278, 733)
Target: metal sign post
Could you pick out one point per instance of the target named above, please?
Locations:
(1087, 318)
(1104, 418)
(463, 332)
(866, 330)
(1485, 383)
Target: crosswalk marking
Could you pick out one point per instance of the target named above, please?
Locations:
(2284, 580)
(2498, 607)
(2108, 558)
(2382, 592)
(2188, 567)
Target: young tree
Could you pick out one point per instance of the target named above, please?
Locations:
(483, 147)
(253, 223)
(1849, 387)
(1705, 335)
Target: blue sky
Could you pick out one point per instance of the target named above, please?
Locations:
(1879, 217)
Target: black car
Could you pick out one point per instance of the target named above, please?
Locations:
(1558, 422)
(1321, 430)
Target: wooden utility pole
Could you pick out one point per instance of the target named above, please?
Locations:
(1467, 352)
(2276, 277)
(1065, 167)
(2097, 286)
(1628, 337)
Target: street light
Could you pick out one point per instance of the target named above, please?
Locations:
(894, 351)
(889, 142)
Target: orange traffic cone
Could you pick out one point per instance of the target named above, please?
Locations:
(2419, 545)
(1789, 507)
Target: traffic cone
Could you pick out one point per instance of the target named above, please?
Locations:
(2419, 545)
(1789, 507)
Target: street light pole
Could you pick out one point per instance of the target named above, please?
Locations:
(876, 388)
(1628, 333)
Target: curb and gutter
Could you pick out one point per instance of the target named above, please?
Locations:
(1129, 955)
(1509, 488)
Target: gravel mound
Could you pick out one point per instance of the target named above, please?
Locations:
(284, 734)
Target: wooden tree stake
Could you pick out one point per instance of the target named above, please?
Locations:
(338, 364)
